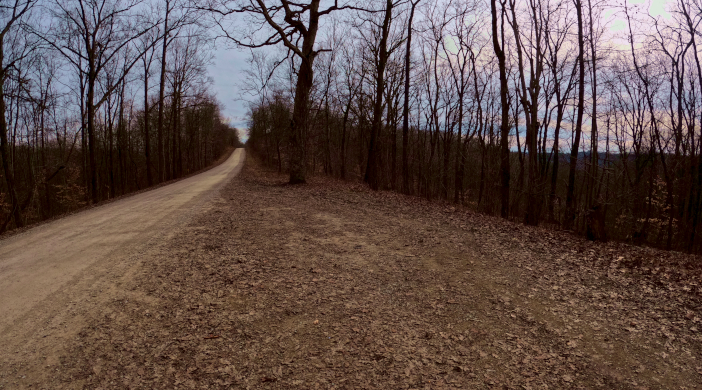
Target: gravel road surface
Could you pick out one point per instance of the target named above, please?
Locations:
(50, 276)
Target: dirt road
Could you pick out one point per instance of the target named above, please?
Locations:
(52, 274)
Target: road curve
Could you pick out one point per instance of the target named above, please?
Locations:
(39, 267)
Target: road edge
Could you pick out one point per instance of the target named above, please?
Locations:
(218, 162)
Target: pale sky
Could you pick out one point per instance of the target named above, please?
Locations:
(226, 71)
(656, 8)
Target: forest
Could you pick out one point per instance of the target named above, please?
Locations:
(100, 98)
(576, 115)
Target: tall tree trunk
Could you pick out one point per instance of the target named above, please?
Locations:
(161, 96)
(504, 126)
(299, 122)
(533, 206)
(556, 158)
(448, 140)
(4, 149)
(110, 153)
(121, 147)
(84, 138)
(570, 195)
(174, 133)
(305, 78)
(460, 152)
(90, 108)
(405, 111)
(343, 136)
(147, 136)
(371, 176)
(393, 169)
(594, 157)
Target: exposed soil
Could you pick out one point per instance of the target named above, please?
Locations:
(328, 285)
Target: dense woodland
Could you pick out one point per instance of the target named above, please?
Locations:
(99, 98)
(577, 114)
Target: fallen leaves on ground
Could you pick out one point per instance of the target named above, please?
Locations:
(329, 285)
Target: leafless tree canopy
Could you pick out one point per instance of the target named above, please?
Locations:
(77, 97)
(579, 115)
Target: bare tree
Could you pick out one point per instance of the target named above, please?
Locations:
(529, 97)
(147, 44)
(563, 84)
(642, 107)
(381, 54)
(13, 48)
(105, 28)
(406, 108)
(177, 14)
(570, 196)
(287, 23)
(462, 63)
(498, 42)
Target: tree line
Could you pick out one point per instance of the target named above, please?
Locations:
(99, 98)
(576, 114)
